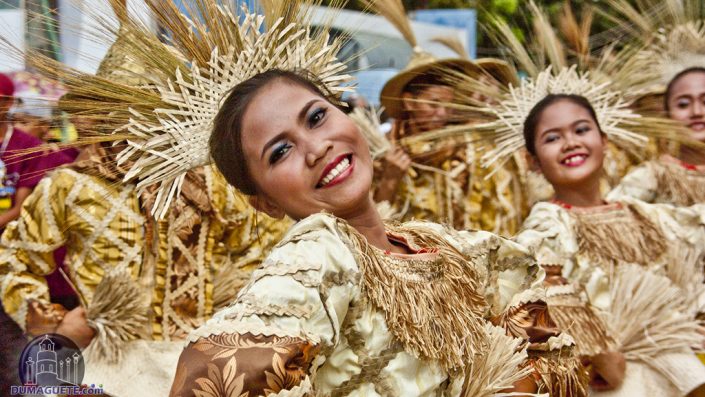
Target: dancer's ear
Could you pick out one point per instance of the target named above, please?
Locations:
(265, 205)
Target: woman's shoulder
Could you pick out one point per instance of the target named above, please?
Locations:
(546, 213)
(320, 239)
(315, 227)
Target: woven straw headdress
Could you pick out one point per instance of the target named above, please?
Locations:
(613, 114)
(167, 123)
(549, 73)
(668, 36)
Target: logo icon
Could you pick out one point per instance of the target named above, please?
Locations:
(51, 360)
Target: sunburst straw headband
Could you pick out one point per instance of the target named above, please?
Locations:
(178, 141)
(210, 49)
(673, 51)
(667, 36)
(626, 128)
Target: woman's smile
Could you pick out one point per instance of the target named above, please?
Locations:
(575, 159)
(336, 171)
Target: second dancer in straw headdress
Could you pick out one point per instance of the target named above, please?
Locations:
(431, 177)
(616, 310)
(671, 67)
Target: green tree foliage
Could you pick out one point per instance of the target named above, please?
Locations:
(512, 11)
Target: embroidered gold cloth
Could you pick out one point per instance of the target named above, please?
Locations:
(455, 190)
(190, 263)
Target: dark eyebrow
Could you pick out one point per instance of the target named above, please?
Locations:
(573, 124)
(271, 143)
(300, 118)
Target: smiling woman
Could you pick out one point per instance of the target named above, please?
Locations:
(593, 244)
(678, 180)
(347, 304)
(305, 158)
(566, 141)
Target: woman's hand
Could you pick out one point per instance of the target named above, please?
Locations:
(395, 165)
(526, 385)
(43, 318)
(607, 370)
(75, 327)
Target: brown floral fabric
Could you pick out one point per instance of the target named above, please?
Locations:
(242, 365)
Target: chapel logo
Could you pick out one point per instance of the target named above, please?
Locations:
(52, 364)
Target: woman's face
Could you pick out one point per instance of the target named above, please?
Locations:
(431, 115)
(304, 154)
(687, 103)
(569, 147)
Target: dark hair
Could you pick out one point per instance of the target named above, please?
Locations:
(226, 138)
(424, 81)
(534, 116)
(669, 89)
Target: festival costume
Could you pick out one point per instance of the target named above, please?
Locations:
(454, 189)
(145, 283)
(612, 292)
(604, 249)
(546, 62)
(178, 270)
(353, 320)
(674, 48)
(665, 180)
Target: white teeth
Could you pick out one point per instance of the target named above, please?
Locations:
(342, 166)
(574, 159)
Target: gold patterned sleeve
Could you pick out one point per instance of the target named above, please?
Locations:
(288, 315)
(26, 254)
(243, 364)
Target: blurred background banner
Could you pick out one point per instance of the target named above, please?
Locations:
(65, 31)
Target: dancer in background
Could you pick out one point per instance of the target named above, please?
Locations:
(144, 283)
(679, 179)
(437, 178)
(621, 272)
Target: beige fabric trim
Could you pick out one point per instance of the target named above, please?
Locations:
(304, 389)
(219, 327)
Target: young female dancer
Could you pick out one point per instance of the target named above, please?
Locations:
(349, 305)
(598, 243)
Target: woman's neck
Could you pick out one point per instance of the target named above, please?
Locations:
(583, 195)
(368, 223)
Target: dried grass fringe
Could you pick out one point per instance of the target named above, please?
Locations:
(497, 367)
(439, 319)
(678, 187)
(579, 321)
(647, 314)
(118, 313)
(561, 374)
(624, 235)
